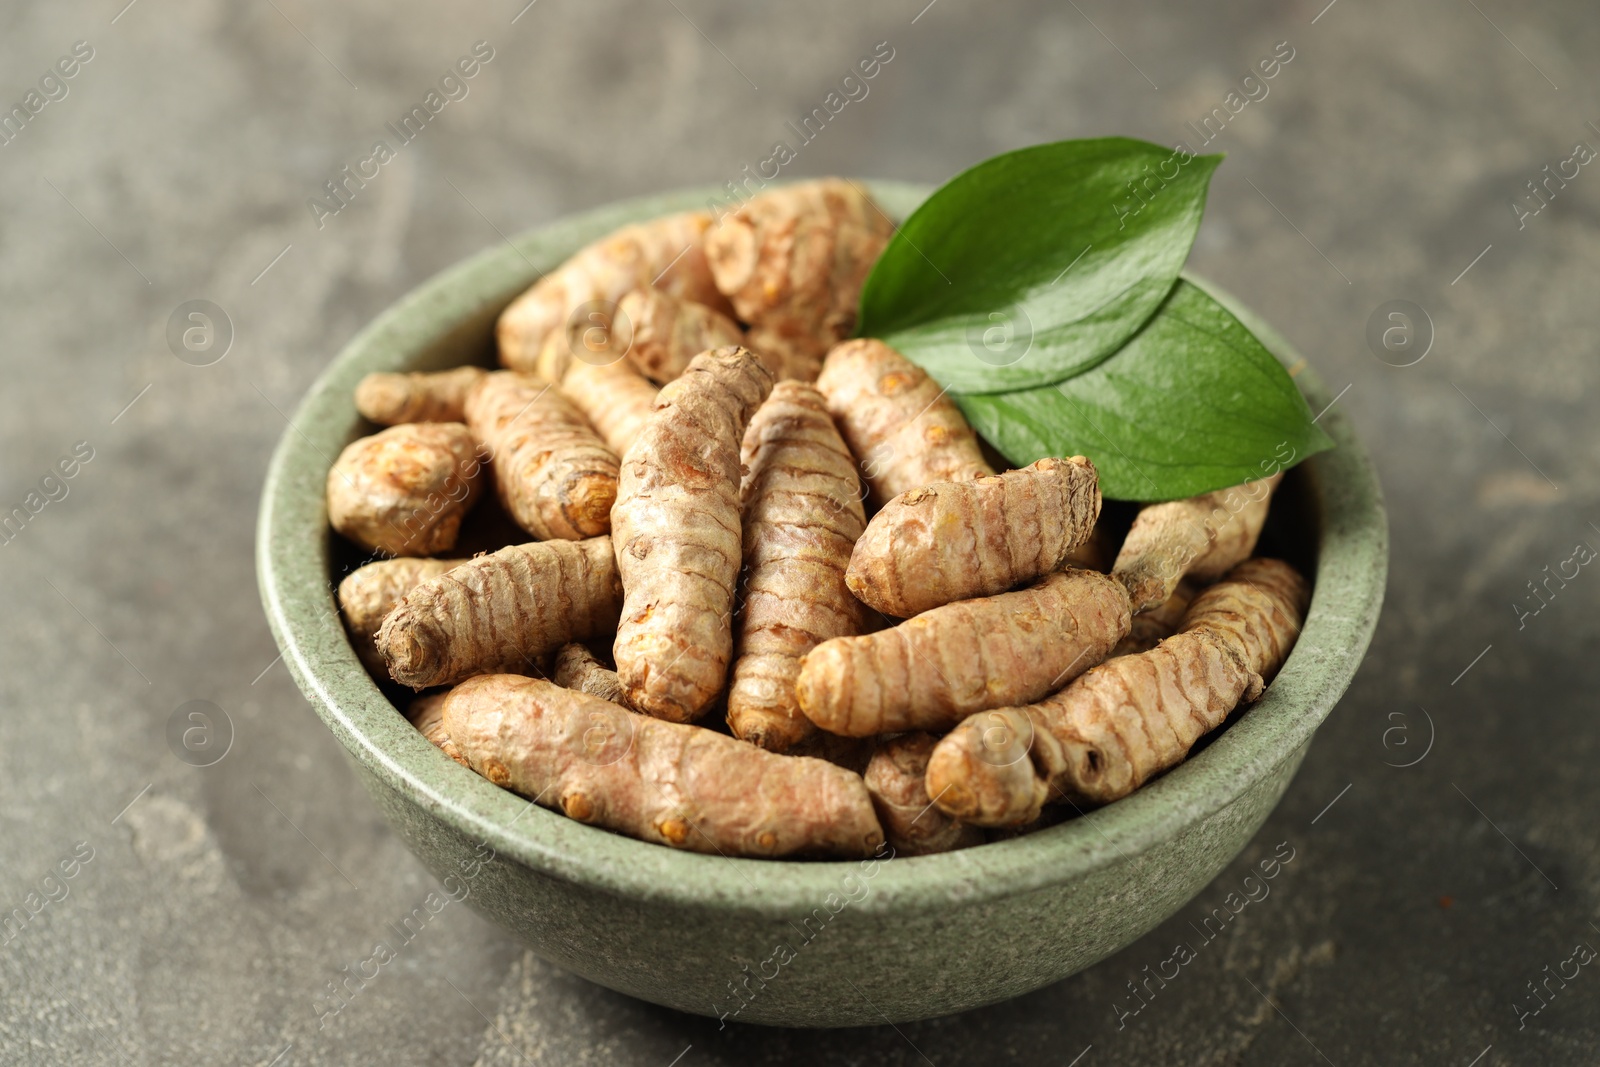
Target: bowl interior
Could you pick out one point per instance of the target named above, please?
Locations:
(1328, 519)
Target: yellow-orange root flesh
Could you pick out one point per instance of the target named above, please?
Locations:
(500, 612)
(553, 473)
(439, 396)
(1130, 718)
(931, 672)
(1202, 537)
(668, 783)
(956, 540)
(903, 428)
(802, 514)
(404, 491)
(678, 535)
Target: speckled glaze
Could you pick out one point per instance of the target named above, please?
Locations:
(805, 944)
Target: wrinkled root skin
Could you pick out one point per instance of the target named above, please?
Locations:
(931, 672)
(679, 536)
(502, 611)
(404, 491)
(1132, 717)
(1149, 629)
(616, 399)
(578, 668)
(391, 399)
(661, 334)
(913, 825)
(427, 715)
(905, 430)
(1202, 537)
(667, 253)
(554, 474)
(668, 783)
(982, 771)
(368, 593)
(802, 515)
(953, 541)
(793, 260)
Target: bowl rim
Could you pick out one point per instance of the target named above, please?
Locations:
(293, 556)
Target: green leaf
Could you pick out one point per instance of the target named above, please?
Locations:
(1193, 402)
(1037, 264)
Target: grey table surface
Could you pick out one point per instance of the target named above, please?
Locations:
(218, 902)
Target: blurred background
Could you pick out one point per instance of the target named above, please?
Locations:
(1443, 822)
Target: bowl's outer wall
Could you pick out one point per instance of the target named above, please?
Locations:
(837, 965)
(918, 937)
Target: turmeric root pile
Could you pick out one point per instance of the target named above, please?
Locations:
(770, 598)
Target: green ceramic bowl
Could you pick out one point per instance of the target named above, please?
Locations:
(791, 943)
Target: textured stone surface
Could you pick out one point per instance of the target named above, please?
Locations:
(214, 910)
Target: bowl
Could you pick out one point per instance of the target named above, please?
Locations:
(800, 943)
